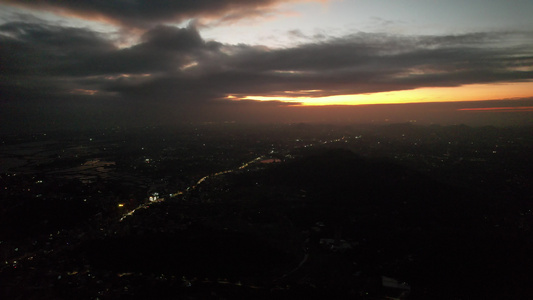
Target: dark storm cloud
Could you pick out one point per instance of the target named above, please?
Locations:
(171, 64)
(372, 62)
(146, 13)
(372, 52)
(31, 48)
(48, 60)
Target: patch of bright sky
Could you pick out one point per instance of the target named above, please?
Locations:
(410, 17)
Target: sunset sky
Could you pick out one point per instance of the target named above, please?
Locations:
(71, 63)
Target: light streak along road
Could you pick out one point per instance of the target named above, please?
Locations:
(201, 180)
(191, 188)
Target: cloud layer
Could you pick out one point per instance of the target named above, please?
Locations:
(42, 61)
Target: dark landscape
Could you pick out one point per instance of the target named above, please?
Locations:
(224, 211)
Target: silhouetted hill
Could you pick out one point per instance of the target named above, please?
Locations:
(430, 232)
(342, 180)
(344, 174)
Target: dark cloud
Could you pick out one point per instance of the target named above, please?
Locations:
(31, 48)
(47, 60)
(372, 62)
(146, 13)
(173, 39)
(175, 65)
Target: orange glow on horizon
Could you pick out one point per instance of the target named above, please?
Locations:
(472, 92)
(505, 109)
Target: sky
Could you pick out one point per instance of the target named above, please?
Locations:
(125, 62)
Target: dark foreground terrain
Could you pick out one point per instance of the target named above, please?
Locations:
(263, 212)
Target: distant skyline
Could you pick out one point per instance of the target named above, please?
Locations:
(99, 63)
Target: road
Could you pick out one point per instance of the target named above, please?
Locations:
(191, 188)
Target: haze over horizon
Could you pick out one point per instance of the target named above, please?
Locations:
(86, 64)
